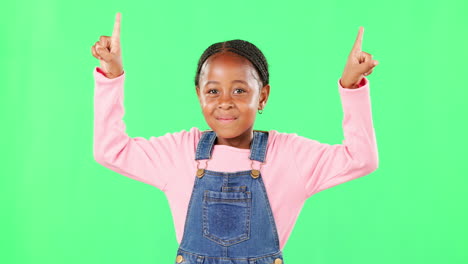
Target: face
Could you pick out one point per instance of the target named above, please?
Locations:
(230, 93)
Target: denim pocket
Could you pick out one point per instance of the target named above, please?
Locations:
(242, 188)
(226, 216)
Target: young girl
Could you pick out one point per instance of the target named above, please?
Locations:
(234, 192)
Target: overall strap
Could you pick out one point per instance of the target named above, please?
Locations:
(205, 145)
(257, 147)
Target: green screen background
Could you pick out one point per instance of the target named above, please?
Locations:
(58, 205)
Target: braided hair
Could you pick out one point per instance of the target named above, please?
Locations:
(242, 48)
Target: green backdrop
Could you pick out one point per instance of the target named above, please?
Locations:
(58, 205)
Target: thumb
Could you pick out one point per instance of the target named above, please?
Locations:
(103, 53)
(367, 66)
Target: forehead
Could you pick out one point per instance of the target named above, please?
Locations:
(225, 67)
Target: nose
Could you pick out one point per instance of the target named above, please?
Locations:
(225, 101)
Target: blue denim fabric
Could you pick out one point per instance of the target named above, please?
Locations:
(229, 219)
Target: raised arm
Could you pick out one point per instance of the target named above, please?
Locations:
(321, 165)
(150, 161)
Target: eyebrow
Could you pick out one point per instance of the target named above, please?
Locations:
(241, 81)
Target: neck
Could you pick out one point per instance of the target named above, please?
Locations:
(242, 141)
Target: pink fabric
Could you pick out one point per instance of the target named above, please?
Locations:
(296, 167)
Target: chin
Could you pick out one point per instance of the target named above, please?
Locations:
(226, 132)
(229, 133)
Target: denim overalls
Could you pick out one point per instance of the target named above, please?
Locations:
(229, 219)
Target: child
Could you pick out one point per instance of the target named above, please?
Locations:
(234, 192)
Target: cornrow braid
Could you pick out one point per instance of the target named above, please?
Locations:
(242, 48)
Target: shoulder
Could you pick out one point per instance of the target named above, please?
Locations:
(178, 144)
(275, 135)
(184, 137)
(289, 140)
(277, 139)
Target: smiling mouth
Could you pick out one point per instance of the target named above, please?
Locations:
(226, 120)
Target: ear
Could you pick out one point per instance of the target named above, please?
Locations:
(197, 89)
(264, 94)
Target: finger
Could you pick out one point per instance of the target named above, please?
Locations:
(368, 60)
(366, 57)
(99, 46)
(105, 41)
(369, 72)
(366, 63)
(96, 47)
(358, 43)
(116, 32)
(372, 65)
(103, 53)
(93, 50)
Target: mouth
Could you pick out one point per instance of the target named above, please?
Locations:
(226, 120)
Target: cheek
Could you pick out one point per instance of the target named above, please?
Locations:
(250, 104)
(207, 107)
(253, 104)
(249, 110)
(203, 102)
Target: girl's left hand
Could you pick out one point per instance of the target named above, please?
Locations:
(359, 64)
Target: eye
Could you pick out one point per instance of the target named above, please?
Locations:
(240, 89)
(209, 91)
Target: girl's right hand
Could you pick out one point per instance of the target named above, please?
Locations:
(107, 51)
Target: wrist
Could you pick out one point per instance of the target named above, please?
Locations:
(353, 85)
(348, 85)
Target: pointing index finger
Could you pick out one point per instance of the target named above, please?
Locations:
(116, 32)
(358, 43)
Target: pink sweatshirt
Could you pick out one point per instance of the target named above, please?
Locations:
(296, 167)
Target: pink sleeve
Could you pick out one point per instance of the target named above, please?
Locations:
(322, 166)
(148, 161)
